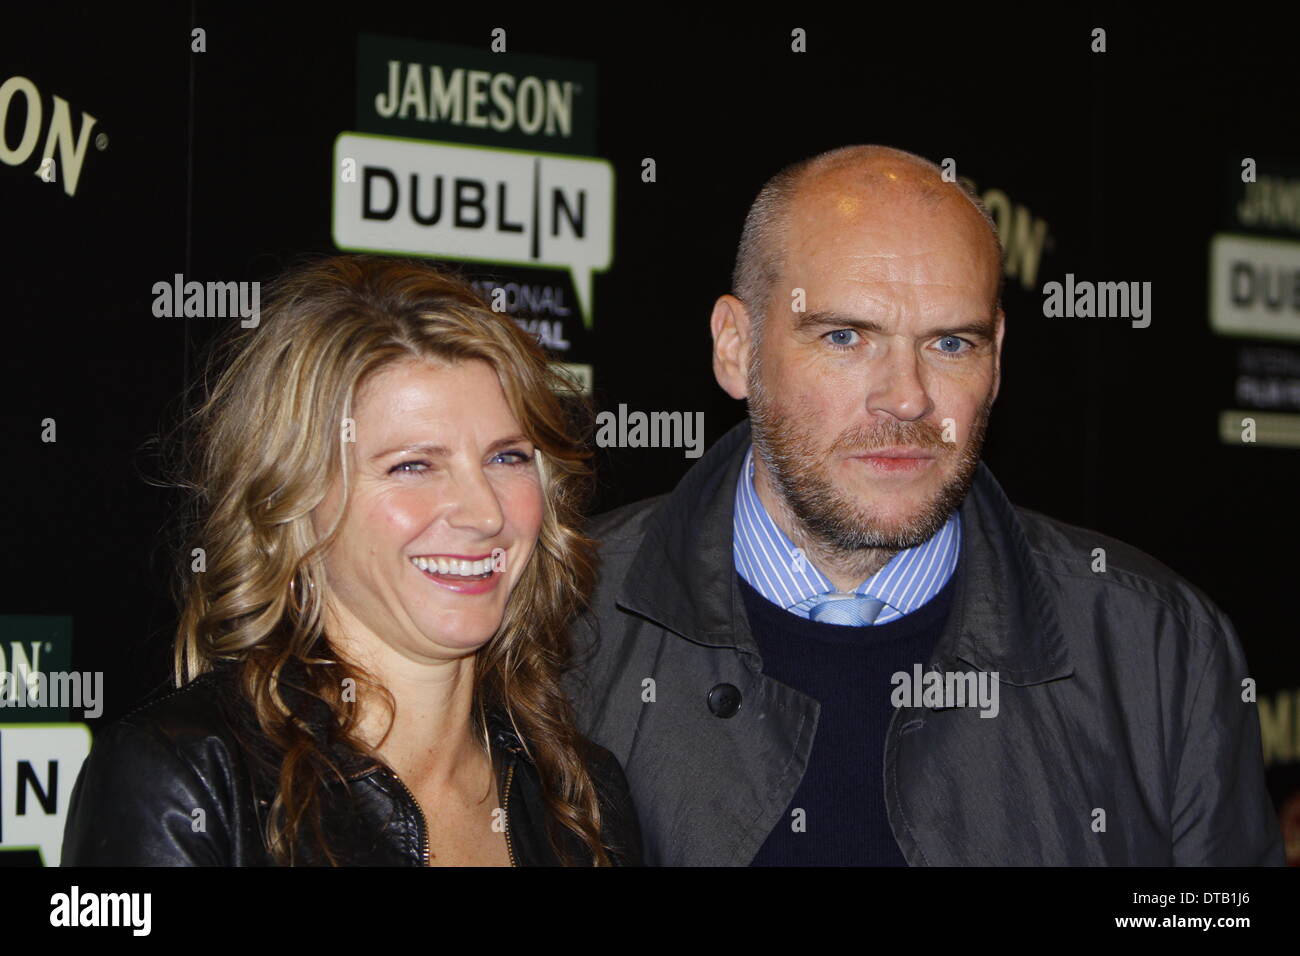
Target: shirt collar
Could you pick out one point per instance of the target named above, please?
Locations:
(767, 559)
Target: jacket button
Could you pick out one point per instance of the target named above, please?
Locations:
(724, 700)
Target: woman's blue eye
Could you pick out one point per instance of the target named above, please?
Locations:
(416, 467)
(522, 457)
(836, 338)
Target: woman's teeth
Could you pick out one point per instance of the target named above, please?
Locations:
(455, 566)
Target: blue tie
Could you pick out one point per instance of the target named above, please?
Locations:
(854, 610)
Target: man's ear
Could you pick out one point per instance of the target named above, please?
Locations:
(997, 352)
(730, 323)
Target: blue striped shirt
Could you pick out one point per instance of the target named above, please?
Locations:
(766, 558)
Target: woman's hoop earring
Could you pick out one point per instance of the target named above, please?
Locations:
(293, 593)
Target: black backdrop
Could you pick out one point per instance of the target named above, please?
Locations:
(217, 166)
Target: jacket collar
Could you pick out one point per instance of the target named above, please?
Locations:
(683, 575)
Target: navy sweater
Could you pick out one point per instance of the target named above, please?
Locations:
(847, 670)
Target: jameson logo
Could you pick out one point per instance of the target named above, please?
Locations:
(32, 648)
(1262, 195)
(473, 95)
(23, 112)
(1273, 202)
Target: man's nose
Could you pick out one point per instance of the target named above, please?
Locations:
(897, 385)
(474, 505)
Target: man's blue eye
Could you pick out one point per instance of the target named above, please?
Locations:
(837, 337)
(957, 343)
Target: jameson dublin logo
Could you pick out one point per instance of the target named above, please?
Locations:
(472, 95)
(40, 749)
(469, 155)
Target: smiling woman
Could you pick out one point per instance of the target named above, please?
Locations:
(387, 491)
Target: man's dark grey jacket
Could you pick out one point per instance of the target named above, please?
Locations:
(1121, 735)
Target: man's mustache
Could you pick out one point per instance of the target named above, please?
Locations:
(863, 438)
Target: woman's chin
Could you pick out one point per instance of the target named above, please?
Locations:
(462, 636)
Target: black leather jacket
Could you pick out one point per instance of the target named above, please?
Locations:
(171, 784)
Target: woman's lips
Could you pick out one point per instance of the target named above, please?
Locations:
(463, 585)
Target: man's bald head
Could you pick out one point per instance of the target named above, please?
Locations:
(896, 345)
(896, 173)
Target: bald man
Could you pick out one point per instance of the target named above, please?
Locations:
(837, 642)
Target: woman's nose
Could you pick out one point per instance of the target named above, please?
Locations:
(474, 505)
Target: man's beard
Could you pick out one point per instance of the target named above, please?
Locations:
(799, 473)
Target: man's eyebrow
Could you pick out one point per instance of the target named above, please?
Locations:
(984, 328)
(442, 451)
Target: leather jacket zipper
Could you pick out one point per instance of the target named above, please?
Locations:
(505, 812)
(424, 822)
